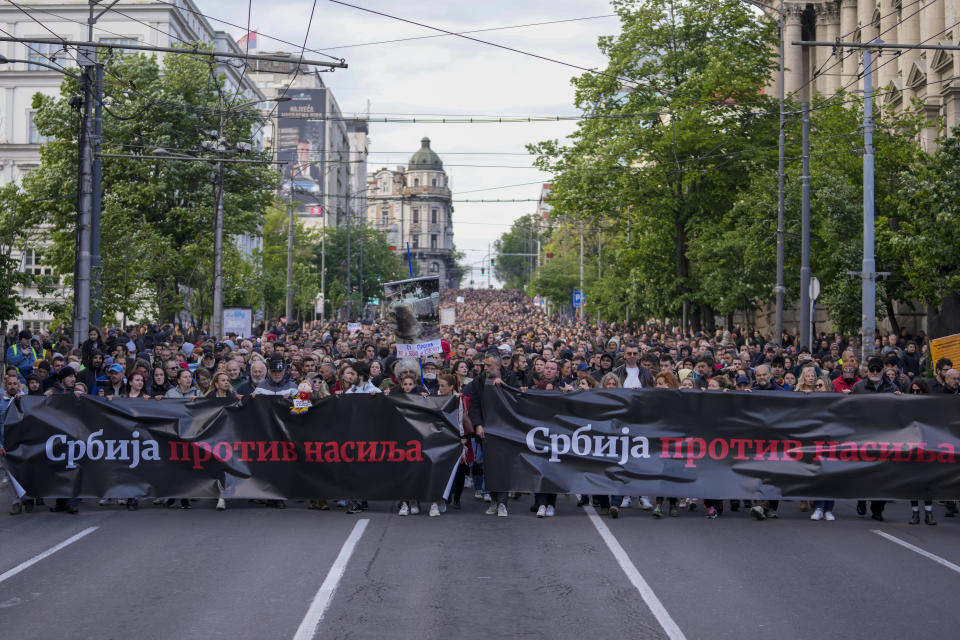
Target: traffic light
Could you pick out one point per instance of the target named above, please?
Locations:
(482, 271)
(491, 262)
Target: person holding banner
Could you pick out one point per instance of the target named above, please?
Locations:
(494, 373)
(875, 382)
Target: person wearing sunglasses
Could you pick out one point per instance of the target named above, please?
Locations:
(875, 382)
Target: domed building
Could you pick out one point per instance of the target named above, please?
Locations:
(412, 205)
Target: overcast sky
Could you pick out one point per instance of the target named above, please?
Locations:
(447, 75)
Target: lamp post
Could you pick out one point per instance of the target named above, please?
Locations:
(218, 144)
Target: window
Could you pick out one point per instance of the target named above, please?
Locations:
(415, 241)
(433, 182)
(41, 52)
(433, 241)
(33, 136)
(416, 182)
(416, 215)
(32, 264)
(385, 216)
(118, 41)
(433, 216)
(434, 267)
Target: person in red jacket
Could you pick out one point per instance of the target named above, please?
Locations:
(848, 377)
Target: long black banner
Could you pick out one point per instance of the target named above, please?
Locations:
(662, 442)
(354, 446)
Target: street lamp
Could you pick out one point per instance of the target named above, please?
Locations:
(218, 144)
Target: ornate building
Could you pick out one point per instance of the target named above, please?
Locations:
(412, 205)
(899, 76)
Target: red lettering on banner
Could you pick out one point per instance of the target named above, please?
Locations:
(179, 451)
(665, 444)
(947, 454)
(311, 451)
(741, 445)
(222, 451)
(289, 452)
(925, 455)
(718, 449)
(902, 454)
(367, 452)
(331, 452)
(343, 451)
(691, 455)
(866, 446)
(245, 450)
(268, 451)
(824, 450)
(848, 451)
(766, 449)
(414, 451)
(792, 450)
(395, 454)
(200, 452)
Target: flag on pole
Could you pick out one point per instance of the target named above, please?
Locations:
(248, 42)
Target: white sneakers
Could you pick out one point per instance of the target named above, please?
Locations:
(221, 504)
(404, 510)
(492, 510)
(645, 503)
(434, 510)
(502, 510)
(829, 517)
(415, 508)
(817, 514)
(542, 511)
(550, 511)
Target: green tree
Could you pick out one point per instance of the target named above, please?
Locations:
(380, 265)
(156, 213)
(515, 271)
(681, 93)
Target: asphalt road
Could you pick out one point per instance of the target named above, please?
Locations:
(256, 572)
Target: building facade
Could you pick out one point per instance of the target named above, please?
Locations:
(900, 76)
(142, 22)
(413, 206)
(325, 173)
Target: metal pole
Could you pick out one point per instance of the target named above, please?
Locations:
(582, 306)
(805, 234)
(599, 264)
(363, 237)
(869, 265)
(96, 307)
(81, 320)
(349, 261)
(288, 310)
(780, 289)
(217, 319)
(323, 261)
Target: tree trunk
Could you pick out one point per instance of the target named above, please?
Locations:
(895, 326)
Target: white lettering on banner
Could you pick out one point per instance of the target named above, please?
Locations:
(581, 444)
(419, 349)
(93, 448)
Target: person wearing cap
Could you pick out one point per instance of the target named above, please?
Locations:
(66, 378)
(875, 382)
(22, 355)
(115, 385)
(277, 382)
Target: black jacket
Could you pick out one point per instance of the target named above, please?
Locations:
(646, 379)
(474, 392)
(865, 386)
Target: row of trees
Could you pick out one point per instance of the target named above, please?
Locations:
(157, 215)
(675, 177)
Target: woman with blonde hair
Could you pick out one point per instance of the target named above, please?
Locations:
(807, 381)
(610, 381)
(220, 386)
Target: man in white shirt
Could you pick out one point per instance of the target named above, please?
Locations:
(632, 374)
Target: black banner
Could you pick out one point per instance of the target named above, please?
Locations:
(354, 446)
(664, 442)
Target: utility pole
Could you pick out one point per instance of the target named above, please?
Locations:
(781, 170)
(81, 286)
(805, 234)
(869, 289)
(582, 306)
(288, 309)
(216, 321)
(96, 304)
(349, 261)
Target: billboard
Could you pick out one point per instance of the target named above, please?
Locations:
(301, 143)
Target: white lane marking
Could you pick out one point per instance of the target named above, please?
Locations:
(916, 549)
(49, 552)
(308, 627)
(653, 602)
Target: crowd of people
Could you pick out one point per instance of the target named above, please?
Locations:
(499, 337)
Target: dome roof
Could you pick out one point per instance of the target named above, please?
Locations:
(425, 158)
